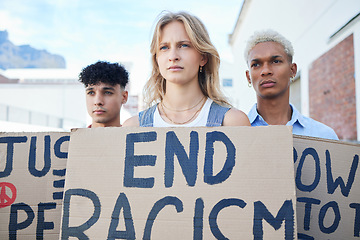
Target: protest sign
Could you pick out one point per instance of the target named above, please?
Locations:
(327, 176)
(32, 176)
(180, 183)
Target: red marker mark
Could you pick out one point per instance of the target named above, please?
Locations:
(6, 200)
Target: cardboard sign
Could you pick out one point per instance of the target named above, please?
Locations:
(327, 176)
(180, 183)
(32, 176)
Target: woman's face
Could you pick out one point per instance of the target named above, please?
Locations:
(178, 60)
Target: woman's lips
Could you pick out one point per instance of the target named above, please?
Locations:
(175, 68)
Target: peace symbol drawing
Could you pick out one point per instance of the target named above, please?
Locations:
(5, 198)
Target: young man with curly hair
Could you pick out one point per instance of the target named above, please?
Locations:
(105, 92)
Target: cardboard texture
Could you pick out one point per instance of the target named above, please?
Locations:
(180, 183)
(327, 176)
(32, 175)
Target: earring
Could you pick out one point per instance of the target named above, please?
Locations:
(200, 68)
(249, 84)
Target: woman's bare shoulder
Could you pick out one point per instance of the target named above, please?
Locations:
(236, 117)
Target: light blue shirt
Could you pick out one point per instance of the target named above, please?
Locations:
(301, 125)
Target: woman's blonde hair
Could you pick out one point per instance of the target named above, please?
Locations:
(209, 82)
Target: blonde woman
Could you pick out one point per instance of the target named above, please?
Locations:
(184, 88)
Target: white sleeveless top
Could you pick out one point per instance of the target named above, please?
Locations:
(200, 120)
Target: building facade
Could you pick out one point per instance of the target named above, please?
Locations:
(49, 99)
(326, 40)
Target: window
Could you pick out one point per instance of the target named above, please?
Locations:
(227, 82)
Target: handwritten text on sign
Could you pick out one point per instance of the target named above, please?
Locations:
(188, 183)
(328, 189)
(32, 177)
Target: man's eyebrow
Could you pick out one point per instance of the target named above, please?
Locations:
(272, 57)
(276, 56)
(108, 88)
(89, 88)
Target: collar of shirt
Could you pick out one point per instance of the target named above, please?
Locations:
(257, 120)
(296, 117)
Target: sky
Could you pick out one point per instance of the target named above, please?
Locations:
(85, 31)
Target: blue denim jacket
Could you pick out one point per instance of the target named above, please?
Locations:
(215, 118)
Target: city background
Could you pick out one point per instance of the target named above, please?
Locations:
(39, 64)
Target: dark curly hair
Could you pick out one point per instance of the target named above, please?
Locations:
(104, 72)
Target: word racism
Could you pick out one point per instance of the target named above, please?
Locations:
(189, 167)
(32, 173)
(175, 162)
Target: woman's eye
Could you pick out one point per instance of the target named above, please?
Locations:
(185, 45)
(163, 47)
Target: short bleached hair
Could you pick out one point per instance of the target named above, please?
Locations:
(268, 35)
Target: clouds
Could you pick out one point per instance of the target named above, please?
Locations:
(84, 31)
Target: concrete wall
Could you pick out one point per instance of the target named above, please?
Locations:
(51, 98)
(35, 103)
(43, 97)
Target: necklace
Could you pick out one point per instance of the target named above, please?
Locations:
(189, 120)
(175, 110)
